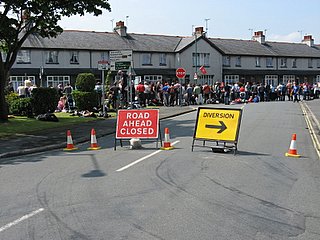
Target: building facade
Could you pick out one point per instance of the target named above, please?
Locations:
(49, 62)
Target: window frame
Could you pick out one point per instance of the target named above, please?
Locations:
(258, 61)
(74, 59)
(57, 79)
(146, 59)
(238, 61)
(283, 62)
(294, 63)
(226, 61)
(269, 62)
(163, 59)
(23, 56)
(310, 62)
(54, 57)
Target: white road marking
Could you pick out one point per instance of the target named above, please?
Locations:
(25, 217)
(143, 158)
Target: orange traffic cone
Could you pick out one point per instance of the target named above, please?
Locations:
(94, 145)
(70, 145)
(166, 143)
(293, 149)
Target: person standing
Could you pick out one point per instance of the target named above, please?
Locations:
(296, 90)
(141, 97)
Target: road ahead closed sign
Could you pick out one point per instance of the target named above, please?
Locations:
(137, 124)
(220, 124)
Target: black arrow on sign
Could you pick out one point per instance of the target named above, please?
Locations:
(222, 127)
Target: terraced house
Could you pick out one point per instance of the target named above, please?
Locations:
(49, 62)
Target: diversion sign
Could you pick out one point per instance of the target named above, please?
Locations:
(221, 124)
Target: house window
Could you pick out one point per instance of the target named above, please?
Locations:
(294, 63)
(52, 57)
(53, 81)
(226, 61)
(163, 59)
(146, 59)
(283, 62)
(204, 59)
(201, 59)
(19, 80)
(269, 62)
(318, 63)
(238, 61)
(287, 78)
(257, 61)
(271, 80)
(74, 58)
(23, 56)
(310, 63)
(231, 79)
(153, 78)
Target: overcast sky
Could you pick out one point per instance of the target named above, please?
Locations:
(283, 20)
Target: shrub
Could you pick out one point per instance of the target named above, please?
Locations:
(85, 82)
(21, 106)
(85, 100)
(10, 98)
(44, 100)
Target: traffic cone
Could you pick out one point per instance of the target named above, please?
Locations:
(70, 146)
(166, 143)
(94, 145)
(293, 149)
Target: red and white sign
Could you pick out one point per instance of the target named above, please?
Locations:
(180, 72)
(203, 70)
(136, 123)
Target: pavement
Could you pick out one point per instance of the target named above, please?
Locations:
(22, 144)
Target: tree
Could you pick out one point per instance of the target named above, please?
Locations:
(20, 18)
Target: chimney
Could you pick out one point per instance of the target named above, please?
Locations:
(121, 29)
(259, 36)
(198, 31)
(308, 40)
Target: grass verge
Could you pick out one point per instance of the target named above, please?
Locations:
(21, 125)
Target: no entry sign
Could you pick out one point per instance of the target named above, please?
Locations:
(137, 124)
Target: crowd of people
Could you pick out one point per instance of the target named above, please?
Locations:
(173, 94)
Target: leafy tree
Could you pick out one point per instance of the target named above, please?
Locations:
(20, 18)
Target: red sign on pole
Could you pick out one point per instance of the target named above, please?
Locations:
(180, 72)
(136, 123)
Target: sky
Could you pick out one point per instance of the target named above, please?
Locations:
(281, 20)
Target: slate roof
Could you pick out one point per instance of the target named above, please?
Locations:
(105, 41)
(254, 48)
(70, 39)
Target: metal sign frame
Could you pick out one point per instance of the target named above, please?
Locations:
(225, 143)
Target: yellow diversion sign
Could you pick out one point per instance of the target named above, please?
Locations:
(218, 124)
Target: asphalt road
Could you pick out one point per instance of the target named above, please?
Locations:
(178, 194)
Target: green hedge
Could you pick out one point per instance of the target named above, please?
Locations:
(44, 100)
(21, 106)
(85, 100)
(85, 82)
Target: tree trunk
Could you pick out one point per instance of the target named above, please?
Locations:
(3, 103)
